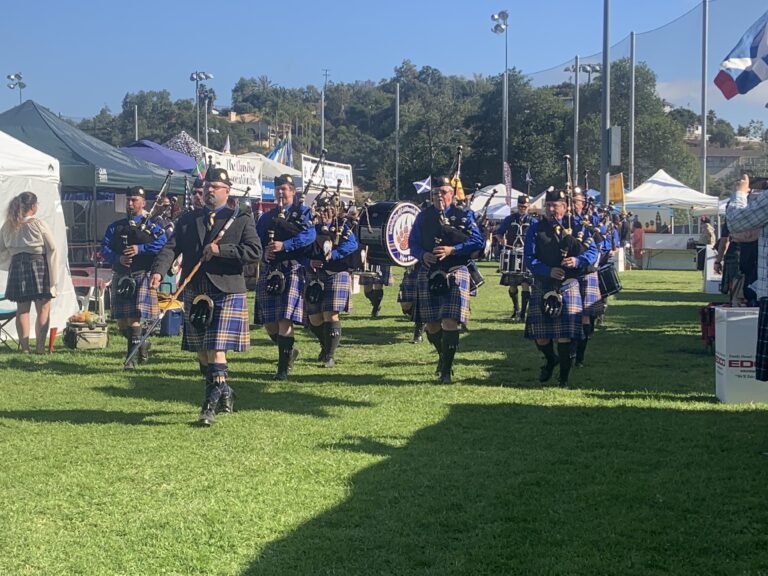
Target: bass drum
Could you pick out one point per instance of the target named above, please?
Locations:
(384, 228)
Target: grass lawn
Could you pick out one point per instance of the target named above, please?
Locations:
(371, 468)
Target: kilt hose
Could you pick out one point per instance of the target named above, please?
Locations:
(337, 287)
(408, 285)
(143, 305)
(567, 325)
(761, 354)
(229, 325)
(454, 305)
(589, 287)
(28, 278)
(385, 277)
(286, 306)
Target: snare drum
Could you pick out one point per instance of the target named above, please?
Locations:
(384, 229)
(608, 279)
(511, 261)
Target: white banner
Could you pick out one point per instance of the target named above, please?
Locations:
(243, 172)
(329, 174)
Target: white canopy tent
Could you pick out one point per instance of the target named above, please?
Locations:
(497, 208)
(25, 169)
(720, 211)
(663, 190)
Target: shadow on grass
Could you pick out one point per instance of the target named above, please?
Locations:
(57, 365)
(517, 489)
(668, 296)
(86, 416)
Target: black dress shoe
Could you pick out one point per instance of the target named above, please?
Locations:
(281, 375)
(207, 414)
(375, 311)
(562, 384)
(226, 403)
(547, 369)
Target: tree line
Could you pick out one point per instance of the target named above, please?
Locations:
(438, 112)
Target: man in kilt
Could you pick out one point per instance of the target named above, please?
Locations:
(286, 232)
(511, 235)
(329, 283)
(130, 245)
(443, 238)
(589, 284)
(557, 260)
(223, 239)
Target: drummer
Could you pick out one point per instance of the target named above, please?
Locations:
(511, 236)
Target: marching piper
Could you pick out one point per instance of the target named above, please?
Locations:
(329, 280)
(557, 260)
(511, 235)
(286, 232)
(130, 245)
(223, 239)
(443, 238)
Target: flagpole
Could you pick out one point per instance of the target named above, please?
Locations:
(397, 141)
(704, 54)
(576, 120)
(632, 111)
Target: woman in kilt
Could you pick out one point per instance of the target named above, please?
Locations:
(215, 309)
(328, 280)
(32, 276)
(443, 238)
(557, 260)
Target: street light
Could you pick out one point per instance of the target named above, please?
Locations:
(198, 77)
(591, 69)
(16, 82)
(501, 27)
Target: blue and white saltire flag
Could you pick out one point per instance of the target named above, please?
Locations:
(747, 64)
(283, 152)
(424, 186)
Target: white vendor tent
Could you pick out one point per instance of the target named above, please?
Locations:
(711, 211)
(497, 209)
(663, 190)
(23, 168)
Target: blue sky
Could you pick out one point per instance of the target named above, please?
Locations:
(78, 58)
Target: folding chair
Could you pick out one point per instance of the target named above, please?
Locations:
(7, 315)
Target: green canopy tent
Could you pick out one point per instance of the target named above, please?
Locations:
(92, 171)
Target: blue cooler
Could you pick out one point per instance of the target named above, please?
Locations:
(171, 323)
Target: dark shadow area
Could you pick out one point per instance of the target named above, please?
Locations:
(58, 364)
(516, 489)
(668, 296)
(86, 416)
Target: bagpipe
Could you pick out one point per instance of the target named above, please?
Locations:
(144, 226)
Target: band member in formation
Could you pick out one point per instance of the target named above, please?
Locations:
(222, 239)
(608, 248)
(286, 232)
(511, 235)
(588, 282)
(406, 296)
(557, 259)
(329, 281)
(443, 238)
(373, 288)
(130, 245)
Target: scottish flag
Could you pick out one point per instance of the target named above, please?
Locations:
(424, 186)
(747, 64)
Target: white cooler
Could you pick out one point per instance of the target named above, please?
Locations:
(711, 278)
(735, 343)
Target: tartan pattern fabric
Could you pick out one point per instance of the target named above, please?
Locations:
(407, 292)
(516, 279)
(589, 286)
(287, 306)
(28, 278)
(229, 325)
(385, 277)
(454, 305)
(761, 354)
(742, 217)
(336, 292)
(567, 325)
(143, 305)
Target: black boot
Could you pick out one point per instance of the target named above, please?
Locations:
(524, 308)
(450, 345)
(515, 304)
(213, 392)
(564, 349)
(226, 402)
(376, 296)
(332, 338)
(436, 339)
(285, 354)
(418, 330)
(581, 347)
(134, 337)
(319, 332)
(551, 361)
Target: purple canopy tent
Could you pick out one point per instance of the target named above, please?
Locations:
(160, 155)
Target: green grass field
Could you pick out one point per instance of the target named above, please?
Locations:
(371, 468)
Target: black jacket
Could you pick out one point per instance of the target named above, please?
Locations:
(240, 245)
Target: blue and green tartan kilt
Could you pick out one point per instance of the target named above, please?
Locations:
(761, 352)
(286, 306)
(385, 277)
(28, 278)
(336, 292)
(567, 325)
(229, 325)
(408, 285)
(143, 305)
(589, 287)
(435, 307)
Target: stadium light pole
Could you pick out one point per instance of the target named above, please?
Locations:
(501, 27)
(198, 77)
(16, 82)
(605, 160)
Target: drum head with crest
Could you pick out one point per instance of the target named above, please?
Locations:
(384, 228)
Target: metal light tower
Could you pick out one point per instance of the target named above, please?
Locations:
(16, 82)
(197, 77)
(501, 27)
